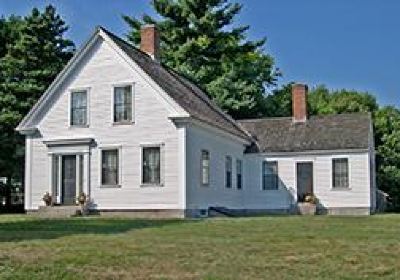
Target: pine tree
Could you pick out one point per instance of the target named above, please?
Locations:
(35, 54)
(198, 40)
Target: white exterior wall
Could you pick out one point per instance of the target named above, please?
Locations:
(357, 196)
(101, 69)
(218, 146)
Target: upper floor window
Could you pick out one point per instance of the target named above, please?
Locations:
(239, 172)
(79, 108)
(205, 167)
(228, 172)
(123, 109)
(151, 165)
(340, 172)
(270, 175)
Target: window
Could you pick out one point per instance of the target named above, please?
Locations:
(270, 175)
(239, 174)
(340, 172)
(151, 165)
(79, 108)
(123, 104)
(109, 167)
(228, 172)
(205, 167)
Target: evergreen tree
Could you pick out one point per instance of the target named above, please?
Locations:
(198, 40)
(35, 54)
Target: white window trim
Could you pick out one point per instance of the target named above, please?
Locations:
(262, 176)
(201, 168)
(123, 84)
(162, 164)
(71, 91)
(102, 148)
(338, 189)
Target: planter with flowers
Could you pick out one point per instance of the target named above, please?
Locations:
(48, 199)
(308, 206)
(83, 201)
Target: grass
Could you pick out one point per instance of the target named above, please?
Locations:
(279, 247)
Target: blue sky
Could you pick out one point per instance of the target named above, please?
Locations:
(340, 43)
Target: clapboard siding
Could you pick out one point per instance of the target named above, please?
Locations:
(39, 173)
(99, 71)
(256, 197)
(358, 195)
(215, 194)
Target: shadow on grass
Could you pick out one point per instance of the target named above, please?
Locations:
(26, 230)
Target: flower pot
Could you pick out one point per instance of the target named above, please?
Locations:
(305, 208)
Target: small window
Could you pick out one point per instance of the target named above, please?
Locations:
(340, 173)
(79, 108)
(228, 172)
(239, 171)
(109, 167)
(123, 104)
(205, 167)
(270, 175)
(151, 165)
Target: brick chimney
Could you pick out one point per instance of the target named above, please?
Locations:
(299, 103)
(150, 41)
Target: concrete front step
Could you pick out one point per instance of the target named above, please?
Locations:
(57, 211)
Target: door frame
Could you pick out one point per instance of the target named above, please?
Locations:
(56, 190)
(295, 175)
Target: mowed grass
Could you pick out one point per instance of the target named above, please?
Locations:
(277, 247)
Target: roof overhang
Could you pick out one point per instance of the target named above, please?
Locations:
(69, 141)
(193, 121)
(313, 152)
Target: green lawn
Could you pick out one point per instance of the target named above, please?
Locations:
(279, 247)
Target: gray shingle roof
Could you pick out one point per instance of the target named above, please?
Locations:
(185, 93)
(330, 132)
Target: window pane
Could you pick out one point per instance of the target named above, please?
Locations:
(109, 173)
(79, 108)
(123, 104)
(205, 166)
(270, 175)
(228, 172)
(340, 169)
(151, 165)
(239, 174)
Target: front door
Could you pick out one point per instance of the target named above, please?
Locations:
(304, 179)
(68, 186)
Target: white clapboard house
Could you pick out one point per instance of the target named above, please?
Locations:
(137, 137)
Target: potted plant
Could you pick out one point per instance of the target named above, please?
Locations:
(308, 205)
(83, 201)
(47, 199)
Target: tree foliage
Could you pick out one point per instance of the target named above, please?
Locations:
(198, 40)
(34, 52)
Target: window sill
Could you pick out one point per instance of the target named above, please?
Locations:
(110, 186)
(269, 190)
(72, 126)
(341, 189)
(123, 123)
(151, 185)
